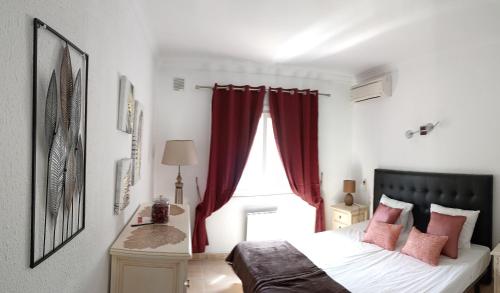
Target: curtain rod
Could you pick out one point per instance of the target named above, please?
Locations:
(241, 88)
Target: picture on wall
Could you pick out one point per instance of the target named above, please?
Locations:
(123, 184)
(126, 105)
(60, 72)
(137, 142)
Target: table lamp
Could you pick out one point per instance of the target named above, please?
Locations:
(349, 186)
(179, 153)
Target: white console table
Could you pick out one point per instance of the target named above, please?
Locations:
(152, 258)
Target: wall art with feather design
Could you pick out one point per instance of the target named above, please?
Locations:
(137, 142)
(123, 184)
(130, 120)
(126, 105)
(60, 73)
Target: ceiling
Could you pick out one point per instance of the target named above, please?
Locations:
(348, 36)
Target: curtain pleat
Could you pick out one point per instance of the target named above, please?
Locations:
(295, 122)
(235, 117)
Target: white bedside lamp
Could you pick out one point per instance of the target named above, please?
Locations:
(179, 153)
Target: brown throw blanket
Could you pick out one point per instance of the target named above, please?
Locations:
(277, 266)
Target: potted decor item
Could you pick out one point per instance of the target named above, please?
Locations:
(160, 211)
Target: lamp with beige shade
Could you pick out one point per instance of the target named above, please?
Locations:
(349, 186)
(179, 153)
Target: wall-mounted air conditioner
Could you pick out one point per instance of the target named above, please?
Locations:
(375, 88)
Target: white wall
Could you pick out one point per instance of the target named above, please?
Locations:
(108, 31)
(187, 114)
(458, 87)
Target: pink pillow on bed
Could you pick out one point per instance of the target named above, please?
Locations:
(446, 225)
(383, 234)
(425, 247)
(385, 214)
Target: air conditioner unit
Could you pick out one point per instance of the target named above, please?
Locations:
(375, 88)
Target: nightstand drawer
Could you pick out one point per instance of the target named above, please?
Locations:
(339, 225)
(342, 217)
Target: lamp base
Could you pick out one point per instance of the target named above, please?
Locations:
(348, 199)
(178, 188)
(178, 194)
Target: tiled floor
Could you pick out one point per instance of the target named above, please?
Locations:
(208, 275)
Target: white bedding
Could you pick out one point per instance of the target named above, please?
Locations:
(364, 267)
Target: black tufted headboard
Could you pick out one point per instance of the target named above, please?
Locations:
(463, 191)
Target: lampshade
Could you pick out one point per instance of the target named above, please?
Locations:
(349, 186)
(179, 153)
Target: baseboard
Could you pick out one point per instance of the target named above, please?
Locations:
(209, 256)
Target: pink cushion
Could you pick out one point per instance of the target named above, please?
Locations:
(383, 234)
(385, 214)
(425, 247)
(446, 225)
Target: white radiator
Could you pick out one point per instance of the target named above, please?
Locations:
(262, 225)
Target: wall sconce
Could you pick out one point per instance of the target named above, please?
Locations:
(424, 130)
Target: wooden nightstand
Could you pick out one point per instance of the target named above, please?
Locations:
(496, 269)
(344, 216)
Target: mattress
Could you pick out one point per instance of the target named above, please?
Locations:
(364, 267)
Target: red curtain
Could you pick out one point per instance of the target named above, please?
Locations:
(295, 122)
(235, 116)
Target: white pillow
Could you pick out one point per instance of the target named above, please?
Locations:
(406, 217)
(468, 227)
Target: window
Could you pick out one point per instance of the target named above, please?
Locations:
(264, 173)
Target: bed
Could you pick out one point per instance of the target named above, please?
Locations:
(339, 257)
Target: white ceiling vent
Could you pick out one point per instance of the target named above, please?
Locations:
(375, 88)
(178, 84)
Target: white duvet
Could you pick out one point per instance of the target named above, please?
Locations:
(364, 267)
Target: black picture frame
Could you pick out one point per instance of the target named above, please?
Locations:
(34, 258)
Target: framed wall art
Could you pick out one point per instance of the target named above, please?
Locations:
(126, 105)
(59, 138)
(124, 170)
(137, 142)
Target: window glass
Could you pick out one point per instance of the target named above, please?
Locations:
(264, 173)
